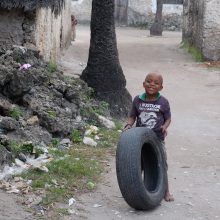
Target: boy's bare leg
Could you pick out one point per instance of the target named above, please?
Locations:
(168, 197)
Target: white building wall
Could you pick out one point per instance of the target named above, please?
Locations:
(53, 32)
(211, 30)
(82, 10)
(139, 10)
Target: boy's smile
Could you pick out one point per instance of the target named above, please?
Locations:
(153, 84)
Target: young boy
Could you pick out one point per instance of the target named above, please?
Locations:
(152, 110)
(73, 26)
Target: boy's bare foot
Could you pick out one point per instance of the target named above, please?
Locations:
(168, 197)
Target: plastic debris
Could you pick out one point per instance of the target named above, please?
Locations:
(97, 205)
(25, 66)
(106, 122)
(72, 201)
(92, 130)
(89, 141)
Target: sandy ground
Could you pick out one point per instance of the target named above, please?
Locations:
(193, 139)
(194, 135)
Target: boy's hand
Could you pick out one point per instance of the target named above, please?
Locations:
(126, 127)
(164, 130)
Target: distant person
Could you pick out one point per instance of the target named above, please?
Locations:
(152, 110)
(73, 26)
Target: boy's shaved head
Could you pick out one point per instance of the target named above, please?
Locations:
(157, 75)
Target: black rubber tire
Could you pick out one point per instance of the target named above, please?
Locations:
(140, 168)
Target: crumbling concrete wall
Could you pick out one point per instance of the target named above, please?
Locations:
(11, 31)
(53, 32)
(66, 25)
(211, 43)
(48, 32)
(201, 26)
(39, 29)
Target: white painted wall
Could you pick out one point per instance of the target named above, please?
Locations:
(167, 8)
(82, 9)
(211, 30)
(53, 33)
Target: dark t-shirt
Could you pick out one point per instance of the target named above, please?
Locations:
(151, 114)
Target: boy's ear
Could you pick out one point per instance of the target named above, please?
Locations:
(161, 87)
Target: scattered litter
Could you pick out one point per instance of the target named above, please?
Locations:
(72, 201)
(25, 66)
(106, 122)
(39, 208)
(65, 141)
(91, 130)
(72, 211)
(90, 185)
(17, 179)
(42, 168)
(116, 212)
(185, 167)
(13, 190)
(190, 204)
(97, 205)
(89, 141)
(97, 137)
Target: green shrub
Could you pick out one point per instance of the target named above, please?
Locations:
(52, 66)
(195, 52)
(75, 136)
(15, 112)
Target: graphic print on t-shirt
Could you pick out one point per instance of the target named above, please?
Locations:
(148, 119)
(148, 115)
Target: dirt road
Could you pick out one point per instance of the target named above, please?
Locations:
(192, 143)
(194, 136)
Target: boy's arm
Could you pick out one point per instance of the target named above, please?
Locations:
(130, 122)
(166, 125)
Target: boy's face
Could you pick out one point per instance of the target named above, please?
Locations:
(153, 84)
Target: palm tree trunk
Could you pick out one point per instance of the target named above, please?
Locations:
(157, 27)
(103, 71)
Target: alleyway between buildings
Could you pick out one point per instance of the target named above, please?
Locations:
(193, 139)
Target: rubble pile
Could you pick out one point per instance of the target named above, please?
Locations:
(37, 102)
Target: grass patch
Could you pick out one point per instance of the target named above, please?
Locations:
(25, 148)
(75, 136)
(74, 170)
(51, 113)
(15, 112)
(68, 174)
(196, 53)
(52, 66)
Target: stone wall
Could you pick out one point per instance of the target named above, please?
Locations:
(211, 42)
(53, 32)
(201, 26)
(140, 12)
(39, 29)
(11, 31)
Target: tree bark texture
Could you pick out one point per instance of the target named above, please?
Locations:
(157, 27)
(103, 71)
